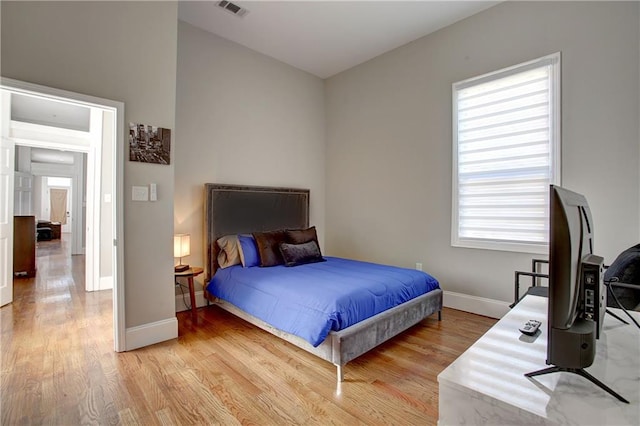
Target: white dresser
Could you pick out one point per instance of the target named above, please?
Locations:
(486, 384)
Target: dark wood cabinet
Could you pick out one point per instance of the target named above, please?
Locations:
(24, 245)
(56, 228)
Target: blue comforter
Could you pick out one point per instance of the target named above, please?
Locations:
(311, 300)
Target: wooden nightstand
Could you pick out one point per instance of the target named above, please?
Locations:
(194, 271)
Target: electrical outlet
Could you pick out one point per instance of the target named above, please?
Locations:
(419, 266)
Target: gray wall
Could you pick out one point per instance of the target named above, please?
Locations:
(389, 136)
(384, 152)
(243, 118)
(125, 51)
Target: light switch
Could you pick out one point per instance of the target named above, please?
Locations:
(140, 193)
(153, 192)
(107, 198)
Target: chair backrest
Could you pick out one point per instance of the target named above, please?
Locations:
(625, 269)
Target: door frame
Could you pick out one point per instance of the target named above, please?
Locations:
(20, 87)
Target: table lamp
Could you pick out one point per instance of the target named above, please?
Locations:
(181, 248)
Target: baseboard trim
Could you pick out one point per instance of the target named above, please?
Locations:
(181, 306)
(476, 305)
(149, 334)
(106, 283)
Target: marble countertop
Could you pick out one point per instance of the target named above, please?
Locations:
(493, 369)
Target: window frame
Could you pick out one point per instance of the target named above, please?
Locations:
(555, 151)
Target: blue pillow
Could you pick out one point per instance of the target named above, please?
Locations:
(248, 251)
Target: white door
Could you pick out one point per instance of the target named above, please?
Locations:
(23, 198)
(7, 154)
(7, 150)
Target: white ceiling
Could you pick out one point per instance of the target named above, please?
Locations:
(327, 37)
(37, 110)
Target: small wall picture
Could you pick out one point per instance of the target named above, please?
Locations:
(149, 144)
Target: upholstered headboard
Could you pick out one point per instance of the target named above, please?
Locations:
(236, 209)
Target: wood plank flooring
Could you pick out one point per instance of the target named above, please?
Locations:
(58, 365)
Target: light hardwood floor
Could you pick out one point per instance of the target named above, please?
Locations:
(58, 365)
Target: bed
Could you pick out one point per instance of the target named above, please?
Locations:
(234, 209)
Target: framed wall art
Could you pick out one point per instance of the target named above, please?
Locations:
(149, 144)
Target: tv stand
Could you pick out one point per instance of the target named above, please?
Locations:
(580, 372)
(487, 383)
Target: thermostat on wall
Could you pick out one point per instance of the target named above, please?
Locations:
(140, 193)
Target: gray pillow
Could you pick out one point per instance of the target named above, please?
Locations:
(300, 254)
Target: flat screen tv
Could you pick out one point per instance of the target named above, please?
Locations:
(576, 287)
(571, 335)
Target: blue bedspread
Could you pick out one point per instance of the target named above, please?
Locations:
(311, 300)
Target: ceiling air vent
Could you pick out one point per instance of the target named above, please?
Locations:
(233, 8)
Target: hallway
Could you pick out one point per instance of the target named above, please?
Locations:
(53, 336)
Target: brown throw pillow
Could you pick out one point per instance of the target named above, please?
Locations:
(268, 244)
(301, 236)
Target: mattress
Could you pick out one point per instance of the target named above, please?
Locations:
(311, 300)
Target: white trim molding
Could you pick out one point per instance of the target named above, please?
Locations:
(476, 305)
(149, 334)
(106, 283)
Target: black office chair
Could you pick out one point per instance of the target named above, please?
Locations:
(623, 280)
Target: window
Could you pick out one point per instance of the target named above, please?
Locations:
(506, 152)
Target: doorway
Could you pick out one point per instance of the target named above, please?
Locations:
(59, 206)
(104, 195)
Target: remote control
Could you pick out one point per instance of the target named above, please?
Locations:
(530, 327)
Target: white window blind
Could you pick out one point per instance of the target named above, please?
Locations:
(505, 154)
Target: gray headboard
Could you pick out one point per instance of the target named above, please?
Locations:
(236, 209)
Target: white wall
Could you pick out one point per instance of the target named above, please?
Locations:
(389, 136)
(125, 51)
(243, 118)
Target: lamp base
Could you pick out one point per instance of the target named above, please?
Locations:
(181, 268)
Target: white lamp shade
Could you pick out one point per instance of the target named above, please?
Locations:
(181, 245)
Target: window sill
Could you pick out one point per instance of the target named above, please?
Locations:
(502, 246)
